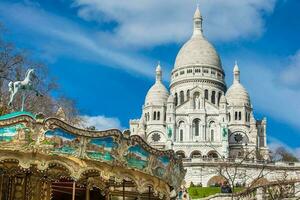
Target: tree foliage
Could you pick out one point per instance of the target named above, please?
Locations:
(14, 63)
(281, 154)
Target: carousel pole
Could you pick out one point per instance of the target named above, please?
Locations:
(123, 189)
(87, 193)
(73, 192)
(23, 101)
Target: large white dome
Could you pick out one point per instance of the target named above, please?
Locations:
(198, 62)
(198, 51)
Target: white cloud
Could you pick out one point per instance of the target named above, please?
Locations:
(145, 23)
(101, 122)
(275, 143)
(68, 38)
(291, 74)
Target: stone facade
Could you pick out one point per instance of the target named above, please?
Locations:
(199, 116)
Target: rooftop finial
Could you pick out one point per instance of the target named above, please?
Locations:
(197, 22)
(236, 73)
(158, 72)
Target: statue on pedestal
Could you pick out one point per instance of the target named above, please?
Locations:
(197, 102)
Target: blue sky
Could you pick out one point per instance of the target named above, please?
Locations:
(104, 52)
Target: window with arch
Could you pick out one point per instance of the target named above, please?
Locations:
(212, 131)
(158, 115)
(212, 135)
(181, 135)
(176, 99)
(181, 97)
(213, 97)
(206, 94)
(235, 115)
(248, 117)
(181, 130)
(154, 115)
(195, 154)
(229, 117)
(240, 115)
(219, 97)
(180, 154)
(188, 94)
(196, 127)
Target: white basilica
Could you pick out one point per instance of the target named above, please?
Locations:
(200, 117)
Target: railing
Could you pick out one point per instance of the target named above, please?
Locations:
(245, 161)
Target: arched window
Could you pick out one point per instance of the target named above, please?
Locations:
(212, 135)
(181, 97)
(213, 97)
(206, 94)
(176, 99)
(188, 94)
(248, 117)
(154, 115)
(235, 115)
(219, 97)
(212, 130)
(240, 115)
(229, 117)
(181, 127)
(212, 154)
(180, 154)
(195, 154)
(158, 115)
(181, 135)
(196, 127)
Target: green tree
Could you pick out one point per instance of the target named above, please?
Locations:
(14, 62)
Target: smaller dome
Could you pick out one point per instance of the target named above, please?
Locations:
(237, 95)
(157, 94)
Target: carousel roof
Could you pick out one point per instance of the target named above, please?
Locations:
(110, 155)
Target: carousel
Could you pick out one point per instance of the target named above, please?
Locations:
(46, 158)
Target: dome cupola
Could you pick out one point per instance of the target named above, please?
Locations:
(237, 94)
(157, 94)
(197, 60)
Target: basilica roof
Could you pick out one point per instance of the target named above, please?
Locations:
(158, 93)
(197, 50)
